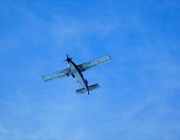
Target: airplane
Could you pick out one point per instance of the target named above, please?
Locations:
(76, 72)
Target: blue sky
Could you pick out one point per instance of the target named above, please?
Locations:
(140, 88)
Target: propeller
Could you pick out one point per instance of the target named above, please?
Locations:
(67, 58)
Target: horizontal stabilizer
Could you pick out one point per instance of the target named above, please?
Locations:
(83, 90)
(93, 87)
(80, 91)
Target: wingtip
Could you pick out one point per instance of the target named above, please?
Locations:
(110, 57)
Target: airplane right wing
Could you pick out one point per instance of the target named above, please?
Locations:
(56, 75)
(94, 63)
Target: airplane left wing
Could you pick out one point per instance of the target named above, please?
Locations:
(94, 63)
(56, 75)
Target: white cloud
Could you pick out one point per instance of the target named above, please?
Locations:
(3, 130)
(141, 81)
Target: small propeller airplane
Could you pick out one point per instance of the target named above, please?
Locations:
(76, 72)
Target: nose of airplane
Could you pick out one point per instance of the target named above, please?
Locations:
(68, 59)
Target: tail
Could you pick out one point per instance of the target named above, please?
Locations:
(90, 88)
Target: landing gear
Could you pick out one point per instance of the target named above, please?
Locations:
(73, 76)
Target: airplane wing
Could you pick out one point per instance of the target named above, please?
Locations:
(94, 63)
(56, 75)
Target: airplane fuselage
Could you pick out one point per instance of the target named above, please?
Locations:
(78, 74)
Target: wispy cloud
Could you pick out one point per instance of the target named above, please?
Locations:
(138, 98)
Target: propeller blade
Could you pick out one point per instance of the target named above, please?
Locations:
(67, 58)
